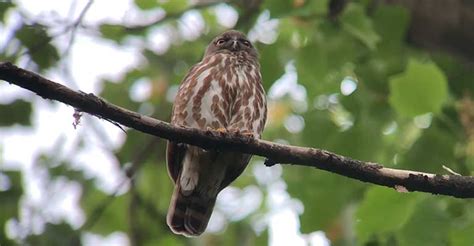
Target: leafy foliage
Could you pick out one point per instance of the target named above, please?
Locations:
(359, 25)
(61, 234)
(36, 39)
(10, 201)
(407, 108)
(16, 112)
(418, 80)
(4, 7)
(370, 219)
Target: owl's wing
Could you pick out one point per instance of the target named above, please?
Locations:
(235, 170)
(176, 151)
(174, 158)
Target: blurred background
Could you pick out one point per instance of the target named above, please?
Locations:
(388, 81)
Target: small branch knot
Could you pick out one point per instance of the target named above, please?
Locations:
(269, 162)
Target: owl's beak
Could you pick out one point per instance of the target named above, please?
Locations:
(235, 44)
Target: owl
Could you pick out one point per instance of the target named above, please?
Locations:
(223, 92)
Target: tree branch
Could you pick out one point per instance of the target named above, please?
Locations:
(452, 185)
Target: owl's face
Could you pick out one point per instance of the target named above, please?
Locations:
(233, 41)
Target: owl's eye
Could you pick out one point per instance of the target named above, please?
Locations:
(220, 41)
(246, 43)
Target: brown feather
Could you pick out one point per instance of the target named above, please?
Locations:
(189, 215)
(223, 91)
(234, 171)
(174, 157)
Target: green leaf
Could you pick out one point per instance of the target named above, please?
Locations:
(17, 112)
(326, 59)
(174, 6)
(46, 56)
(321, 131)
(4, 7)
(459, 76)
(385, 61)
(312, 8)
(318, 123)
(318, 7)
(65, 170)
(113, 32)
(278, 8)
(428, 225)
(108, 213)
(61, 234)
(355, 21)
(365, 134)
(391, 23)
(435, 147)
(422, 88)
(10, 200)
(146, 4)
(462, 236)
(236, 234)
(283, 8)
(155, 185)
(118, 93)
(171, 240)
(312, 67)
(38, 41)
(383, 211)
(323, 194)
(262, 239)
(271, 67)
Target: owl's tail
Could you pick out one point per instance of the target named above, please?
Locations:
(189, 215)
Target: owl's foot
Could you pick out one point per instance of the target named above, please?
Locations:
(242, 133)
(220, 130)
(232, 131)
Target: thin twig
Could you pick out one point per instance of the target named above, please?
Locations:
(141, 157)
(75, 25)
(171, 16)
(137, 161)
(451, 171)
(97, 212)
(452, 185)
(152, 212)
(133, 223)
(68, 28)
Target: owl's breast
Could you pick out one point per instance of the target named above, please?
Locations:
(223, 92)
(246, 107)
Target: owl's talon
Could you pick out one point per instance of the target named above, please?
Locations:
(242, 133)
(221, 131)
(249, 134)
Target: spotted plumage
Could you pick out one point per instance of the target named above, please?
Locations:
(222, 92)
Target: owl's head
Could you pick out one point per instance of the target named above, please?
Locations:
(233, 41)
